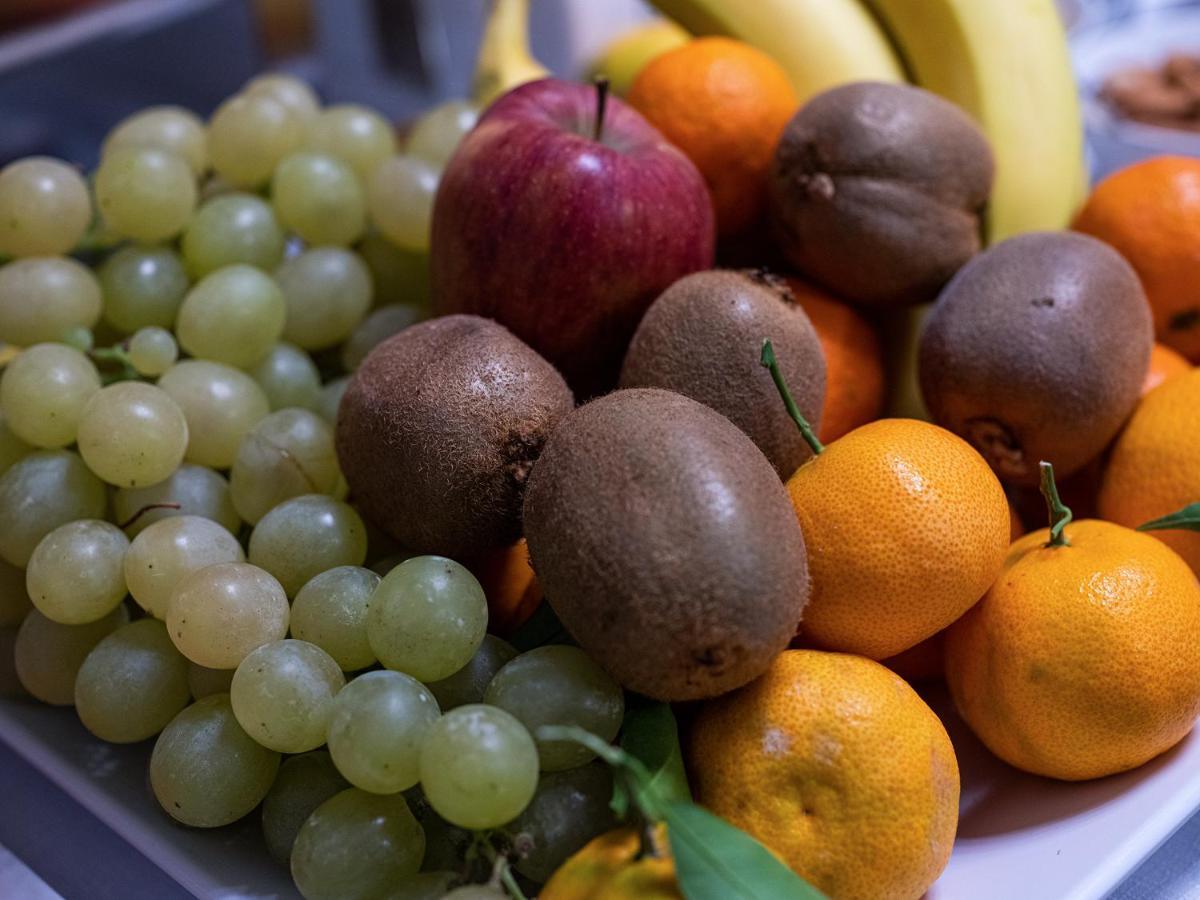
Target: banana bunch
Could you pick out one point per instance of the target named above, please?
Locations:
(504, 59)
(1003, 61)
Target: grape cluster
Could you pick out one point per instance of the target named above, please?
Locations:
(177, 336)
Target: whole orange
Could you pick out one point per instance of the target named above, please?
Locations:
(615, 866)
(1154, 468)
(1150, 211)
(511, 588)
(923, 662)
(724, 104)
(853, 361)
(905, 526)
(1081, 660)
(836, 765)
(1164, 363)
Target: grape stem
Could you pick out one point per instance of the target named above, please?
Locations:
(145, 509)
(501, 870)
(118, 354)
(768, 361)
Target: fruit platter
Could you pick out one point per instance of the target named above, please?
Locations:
(763, 466)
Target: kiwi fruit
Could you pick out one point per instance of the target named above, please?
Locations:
(703, 336)
(877, 192)
(1037, 350)
(666, 544)
(438, 430)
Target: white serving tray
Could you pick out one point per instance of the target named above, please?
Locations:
(1019, 836)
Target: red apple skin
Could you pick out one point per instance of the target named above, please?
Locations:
(565, 240)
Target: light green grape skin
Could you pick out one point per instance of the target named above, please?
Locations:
(292, 92)
(14, 599)
(287, 454)
(12, 448)
(195, 490)
(43, 392)
(303, 537)
(234, 316)
(205, 770)
(479, 767)
(288, 377)
(42, 298)
(469, 683)
(426, 886)
(45, 207)
(204, 682)
(142, 286)
(400, 276)
(216, 616)
(76, 573)
(375, 329)
(355, 134)
(304, 782)
(38, 493)
(427, 618)
(169, 128)
(437, 134)
(283, 692)
(379, 722)
(400, 200)
(319, 198)
(152, 350)
(48, 655)
(132, 434)
(568, 810)
(145, 193)
(248, 135)
(132, 684)
(328, 291)
(232, 228)
(165, 553)
(330, 398)
(221, 404)
(331, 612)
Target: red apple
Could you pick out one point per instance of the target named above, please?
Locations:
(562, 215)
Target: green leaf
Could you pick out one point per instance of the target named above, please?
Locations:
(1187, 519)
(650, 733)
(715, 861)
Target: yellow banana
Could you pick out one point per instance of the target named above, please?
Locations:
(1006, 63)
(504, 58)
(820, 43)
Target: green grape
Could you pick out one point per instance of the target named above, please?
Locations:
(234, 316)
(425, 886)
(248, 135)
(474, 892)
(12, 448)
(152, 350)
(559, 685)
(375, 329)
(46, 489)
(43, 392)
(304, 782)
(288, 453)
(14, 599)
(232, 228)
(283, 692)
(446, 845)
(567, 811)
(45, 207)
(319, 198)
(132, 684)
(42, 298)
(400, 200)
(292, 92)
(166, 552)
(48, 654)
(144, 193)
(379, 722)
(205, 770)
(427, 618)
(479, 767)
(76, 573)
(355, 846)
(437, 134)
(221, 404)
(191, 491)
(304, 536)
(327, 291)
(355, 134)
(400, 276)
(132, 434)
(204, 682)
(330, 398)
(80, 339)
(220, 613)
(142, 286)
(172, 129)
(331, 612)
(468, 684)
(288, 377)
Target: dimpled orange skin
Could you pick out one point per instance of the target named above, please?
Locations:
(1081, 661)
(905, 526)
(1154, 469)
(834, 763)
(608, 868)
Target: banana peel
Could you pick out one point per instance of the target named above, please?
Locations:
(504, 60)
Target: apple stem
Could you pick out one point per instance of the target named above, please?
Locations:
(601, 84)
(769, 362)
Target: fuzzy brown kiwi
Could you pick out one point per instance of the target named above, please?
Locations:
(702, 338)
(1037, 351)
(666, 544)
(877, 191)
(438, 430)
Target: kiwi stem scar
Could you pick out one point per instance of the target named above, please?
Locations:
(1060, 513)
(771, 364)
(601, 84)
